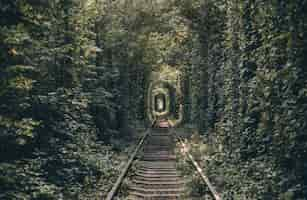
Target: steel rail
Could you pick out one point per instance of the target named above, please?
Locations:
(123, 174)
(199, 170)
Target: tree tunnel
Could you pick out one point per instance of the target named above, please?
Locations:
(164, 97)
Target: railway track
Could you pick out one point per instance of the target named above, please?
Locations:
(156, 176)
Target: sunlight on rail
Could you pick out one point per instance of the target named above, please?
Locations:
(185, 150)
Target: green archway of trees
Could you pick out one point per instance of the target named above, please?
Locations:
(166, 82)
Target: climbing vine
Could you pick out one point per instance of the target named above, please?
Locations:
(75, 78)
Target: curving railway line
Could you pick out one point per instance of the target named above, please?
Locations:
(156, 176)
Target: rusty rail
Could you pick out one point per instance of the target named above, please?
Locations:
(199, 170)
(121, 177)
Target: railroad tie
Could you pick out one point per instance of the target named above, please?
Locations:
(156, 177)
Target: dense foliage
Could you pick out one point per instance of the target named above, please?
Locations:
(254, 96)
(61, 99)
(74, 75)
